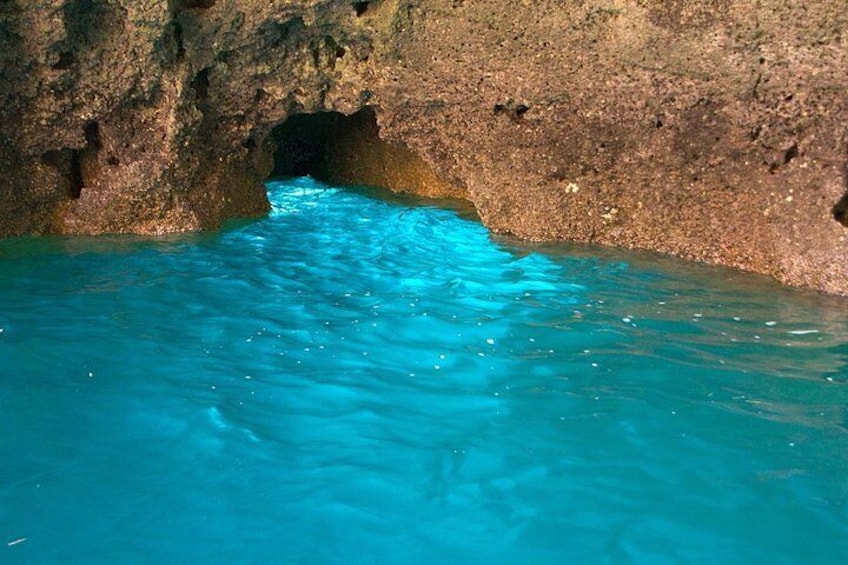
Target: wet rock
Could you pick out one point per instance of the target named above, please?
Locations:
(716, 131)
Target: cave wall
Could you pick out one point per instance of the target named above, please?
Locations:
(344, 149)
(715, 131)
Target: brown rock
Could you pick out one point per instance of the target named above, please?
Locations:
(716, 131)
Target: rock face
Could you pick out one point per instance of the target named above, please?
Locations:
(715, 131)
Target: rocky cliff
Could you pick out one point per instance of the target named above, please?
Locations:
(715, 131)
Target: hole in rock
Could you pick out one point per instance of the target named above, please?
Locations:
(790, 153)
(64, 62)
(200, 85)
(92, 135)
(360, 8)
(178, 41)
(512, 109)
(348, 150)
(840, 209)
(75, 176)
(196, 4)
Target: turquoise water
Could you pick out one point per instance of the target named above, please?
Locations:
(355, 380)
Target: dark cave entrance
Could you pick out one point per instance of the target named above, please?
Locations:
(348, 150)
(303, 142)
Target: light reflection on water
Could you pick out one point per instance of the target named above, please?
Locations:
(357, 380)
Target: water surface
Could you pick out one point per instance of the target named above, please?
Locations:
(355, 380)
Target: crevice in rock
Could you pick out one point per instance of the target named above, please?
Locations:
(78, 168)
(75, 178)
(92, 135)
(348, 150)
(67, 163)
(177, 30)
(84, 164)
(790, 153)
(840, 209)
(200, 85)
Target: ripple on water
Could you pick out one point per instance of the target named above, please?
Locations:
(367, 380)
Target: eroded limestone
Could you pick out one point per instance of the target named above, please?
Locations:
(716, 131)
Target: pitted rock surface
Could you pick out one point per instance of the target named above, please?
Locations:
(716, 132)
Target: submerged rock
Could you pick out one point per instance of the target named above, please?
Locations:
(712, 131)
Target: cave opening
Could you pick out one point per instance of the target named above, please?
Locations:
(302, 143)
(343, 150)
